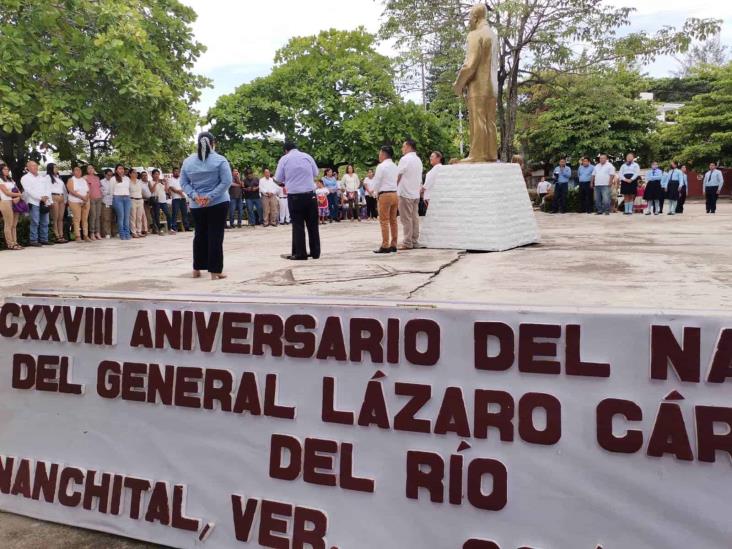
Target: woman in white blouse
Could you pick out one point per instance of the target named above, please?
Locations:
(159, 190)
(58, 202)
(80, 203)
(8, 196)
(121, 201)
(137, 213)
(351, 184)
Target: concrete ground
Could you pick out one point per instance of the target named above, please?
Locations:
(680, 262)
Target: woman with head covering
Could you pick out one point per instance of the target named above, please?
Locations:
(206, 178)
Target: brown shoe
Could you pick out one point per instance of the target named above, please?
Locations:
(404, 248)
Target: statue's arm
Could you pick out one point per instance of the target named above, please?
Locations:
(470, 66)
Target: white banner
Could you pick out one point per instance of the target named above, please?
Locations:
(232, 424)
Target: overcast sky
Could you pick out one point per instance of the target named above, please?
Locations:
(243, 36)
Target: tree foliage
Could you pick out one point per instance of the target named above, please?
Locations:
(703, 132)
(593, 114)
(331, 93)
(707, 54)
(87, 77)
(540, 41)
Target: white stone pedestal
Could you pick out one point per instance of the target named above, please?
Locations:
(483, 207)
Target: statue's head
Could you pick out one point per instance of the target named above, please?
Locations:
(478, 15)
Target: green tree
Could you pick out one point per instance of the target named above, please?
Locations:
(332, 93)
(539, 41)
(703, 129)
(95, 77)
(593, 114)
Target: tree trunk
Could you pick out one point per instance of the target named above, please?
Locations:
(14, 152)
(511, 109)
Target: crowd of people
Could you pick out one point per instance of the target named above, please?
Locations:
(130, 203)
(599, 184)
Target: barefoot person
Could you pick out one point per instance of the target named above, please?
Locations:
(297, 171)
(206, 178)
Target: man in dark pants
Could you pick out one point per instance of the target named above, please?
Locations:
(683, 191)
(713, 183)
(562, 175)
(297, 172)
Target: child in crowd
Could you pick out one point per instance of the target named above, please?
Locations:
(362, 208)
(322, 193)
(345, 207)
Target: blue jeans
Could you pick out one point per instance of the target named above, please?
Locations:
(122, 207)
(180, 205)
(38, 220)
(236, 205)
(602, 198)
(253, 203)
(333, 205)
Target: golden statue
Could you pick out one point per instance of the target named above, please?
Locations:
(479, 74)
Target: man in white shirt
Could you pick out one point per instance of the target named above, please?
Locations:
(436, 159)
(368, 185)
(542, 189)
(180, 203)
(602, 177)
(385, 188)
(270, 192)
(410, 187)
(38, 196)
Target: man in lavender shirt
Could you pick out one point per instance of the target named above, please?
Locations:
(297, 172)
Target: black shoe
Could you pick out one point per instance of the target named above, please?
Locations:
(383, 251)
(294, 257)
(314, 256)
(47, 243)
(393, 250)
(35, 244)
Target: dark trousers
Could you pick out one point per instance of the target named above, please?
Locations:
(157, 206)
(304, 213)
(208, 240)
(682, 201)
(372, 211)
(333, 206)
(711, 195)
(180, 205)
(586, 197)
(560, 197)
(661, 200)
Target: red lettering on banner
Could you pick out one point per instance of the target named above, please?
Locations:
(300, 344)
(504, 358)
(332, 344)
(271, 336)
(426, 470)
(710, 442)
(501, 420)
(721, 369)
(666, 352)
(405, 419)
(309, 526)
(607, 410)
(530, 350)
(45, 373)
(669, 434)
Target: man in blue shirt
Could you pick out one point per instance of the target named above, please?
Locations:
(584, 176)
(297, 172)
(562, 175)
(713, 183)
